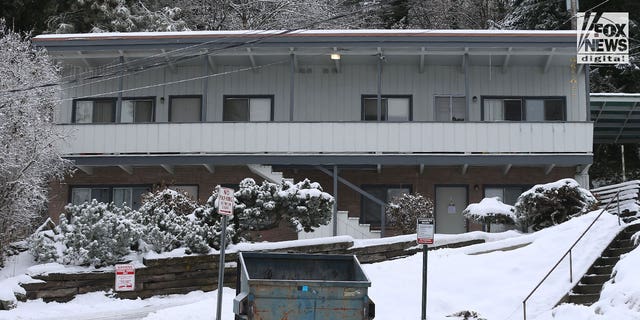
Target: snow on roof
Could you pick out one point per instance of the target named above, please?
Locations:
(614, 94)
(342, 32)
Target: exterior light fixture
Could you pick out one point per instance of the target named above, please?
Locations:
(335, 56)
(474, 99)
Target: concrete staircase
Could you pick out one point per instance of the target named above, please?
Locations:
(350, 226)
(629, 204)
(347, 226)
(587, 291)
(267, 173)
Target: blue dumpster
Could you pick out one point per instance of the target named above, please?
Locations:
(280, 286)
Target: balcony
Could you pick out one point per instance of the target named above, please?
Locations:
(328, 137)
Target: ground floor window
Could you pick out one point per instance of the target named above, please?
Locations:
(369, 210)
(130, 196)
(507, 194)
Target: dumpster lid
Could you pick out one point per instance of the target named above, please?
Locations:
(302, 267)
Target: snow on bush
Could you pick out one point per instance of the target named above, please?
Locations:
(490, 210)
(266, 205)
(403, 212)
(167, 217)
(549, 204)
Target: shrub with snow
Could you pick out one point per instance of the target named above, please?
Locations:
(167, 217)
(264, 206)
(549, 204)
(403, 212)
(490, 210)
(97, 233)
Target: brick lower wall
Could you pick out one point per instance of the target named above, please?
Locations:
(348, 199)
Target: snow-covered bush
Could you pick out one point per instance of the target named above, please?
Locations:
(264, 206)
(490, 210)
(167, 217)
(44, 245)
(403, 212)
(97, 233)
(549, 204)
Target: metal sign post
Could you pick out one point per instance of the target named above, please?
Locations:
(425, 231)
(225, 201)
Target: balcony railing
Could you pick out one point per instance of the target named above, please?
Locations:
(330, 137)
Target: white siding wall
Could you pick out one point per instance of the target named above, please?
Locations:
(331, 137)
(321, 96)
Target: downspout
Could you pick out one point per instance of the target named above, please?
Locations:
(335, 200)
(120, 88)
(205, 89)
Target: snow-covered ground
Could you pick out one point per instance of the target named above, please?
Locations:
(491, 278)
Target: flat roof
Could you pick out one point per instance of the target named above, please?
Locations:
(365, 37)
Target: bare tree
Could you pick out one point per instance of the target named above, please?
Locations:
(28, 137)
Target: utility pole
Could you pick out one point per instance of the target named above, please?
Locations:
(573, 10)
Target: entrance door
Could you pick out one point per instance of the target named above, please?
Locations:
(450, 201)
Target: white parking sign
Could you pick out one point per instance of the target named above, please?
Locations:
(225, 201)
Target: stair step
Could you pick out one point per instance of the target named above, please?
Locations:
(595, 279)
(601, 269)
(633, 228)
(613, 252)
(587, 288)
(603, 261)
(584, 299)
(622, 243)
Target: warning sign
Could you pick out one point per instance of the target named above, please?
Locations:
(425, 230)
(125, 277)
(225, 201)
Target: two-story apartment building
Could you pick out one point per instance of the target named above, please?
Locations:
(456, 114)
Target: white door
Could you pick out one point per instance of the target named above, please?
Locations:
(450, 201)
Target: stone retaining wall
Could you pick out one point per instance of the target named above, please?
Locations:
(189, 273)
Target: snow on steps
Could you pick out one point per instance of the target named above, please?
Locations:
(629, 203)
(349, 226)
(267, 173)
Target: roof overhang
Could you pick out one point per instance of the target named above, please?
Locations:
(616, 117)
(511, 47)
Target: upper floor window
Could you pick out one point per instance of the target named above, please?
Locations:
(137, 110)
(247, 108)
(450, 108)
(94, 110)
(185, 108)
(524, 109)
(394, 108)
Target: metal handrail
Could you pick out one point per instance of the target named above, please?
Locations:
(524, 302)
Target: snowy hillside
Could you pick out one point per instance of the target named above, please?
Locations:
(491, 279)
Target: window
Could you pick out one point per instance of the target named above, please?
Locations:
(524, 109)
(244, 108)
(137, 110)
(507, 194)
(450, 108)
(94, 111)
(191, 191)
(120, 195)
(370, 211)
(394, 108)
(185, 108)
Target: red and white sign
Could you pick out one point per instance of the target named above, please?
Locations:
(125, 277)
(226, 200)
(425, 230)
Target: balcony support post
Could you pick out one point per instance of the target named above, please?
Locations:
(205, 87)
(292, 81)
(466, 86)
(379, 89)
(120, 88)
